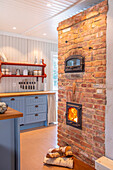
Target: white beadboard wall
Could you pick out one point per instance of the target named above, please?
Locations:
(21, 50)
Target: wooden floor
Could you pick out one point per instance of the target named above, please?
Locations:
(34, 145)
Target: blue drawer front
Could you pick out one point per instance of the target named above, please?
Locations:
(32, 100)
(36, 109)
(12, 99)
(33, 118)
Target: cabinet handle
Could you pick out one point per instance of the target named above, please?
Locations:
(36, 97)
(36, 114)
(12, 99)
(36, 106)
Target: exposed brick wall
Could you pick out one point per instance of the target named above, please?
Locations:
(87, 29)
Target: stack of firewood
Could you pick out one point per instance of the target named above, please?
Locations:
(61, 156)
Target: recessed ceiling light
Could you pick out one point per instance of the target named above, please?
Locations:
(14, 28)
(44, 34)
(49, 5)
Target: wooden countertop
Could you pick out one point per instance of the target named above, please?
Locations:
(26, 93)
(11, 114)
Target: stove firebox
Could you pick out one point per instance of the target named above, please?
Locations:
(74, 115)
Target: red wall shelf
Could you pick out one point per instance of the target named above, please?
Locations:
(43, 65)
(44, 76)
(24, 64)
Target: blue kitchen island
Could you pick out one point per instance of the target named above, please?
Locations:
(10, 140)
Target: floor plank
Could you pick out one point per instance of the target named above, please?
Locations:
(79, 165)
(34, 145)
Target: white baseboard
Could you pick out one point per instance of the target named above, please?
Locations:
(104, 163)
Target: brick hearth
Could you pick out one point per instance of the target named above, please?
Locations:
(84, 34)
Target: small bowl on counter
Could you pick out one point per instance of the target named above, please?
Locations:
(3, 107)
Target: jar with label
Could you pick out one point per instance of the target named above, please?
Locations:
(17, 71)
(3, 71)
(7, 71)
(40, 72)
(35, 72)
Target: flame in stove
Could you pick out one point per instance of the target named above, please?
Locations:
(72, 114)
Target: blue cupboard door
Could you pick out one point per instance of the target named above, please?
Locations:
(16, 103)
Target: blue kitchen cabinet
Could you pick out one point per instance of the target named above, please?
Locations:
(34, 109)
(17, 103)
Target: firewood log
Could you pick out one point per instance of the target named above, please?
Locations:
(60, 149)
(66, 162)
(65, 149)
(57, 154)
(69, 153)
(53, 155)
(52, 150)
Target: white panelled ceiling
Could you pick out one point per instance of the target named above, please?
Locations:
(38, 18)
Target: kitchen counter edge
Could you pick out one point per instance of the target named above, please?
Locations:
(11, 114)
(26, 93)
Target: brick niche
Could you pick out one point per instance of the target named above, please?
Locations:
(84, 34)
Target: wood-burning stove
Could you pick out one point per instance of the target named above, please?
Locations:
(74, 63)
(74, 115)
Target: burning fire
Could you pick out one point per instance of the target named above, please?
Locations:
(72, 114)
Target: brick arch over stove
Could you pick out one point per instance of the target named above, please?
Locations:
(84, 34)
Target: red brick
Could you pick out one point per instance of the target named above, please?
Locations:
(91, 14)
(98, 123)
(101, 102)
(103, 9)
(98, 150)
(90, 100)
(99, 51)
(101, 68)
(89, 90)
(99, 96)
(102, 113)
(100, 118)
(89, 150)
(84, 85)
(99, 107)
(100, 81)
(91, 69)
(87, 115)
(86, 144)
(89, 105)
(99, 75)
(87, 125)
(99, 63)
